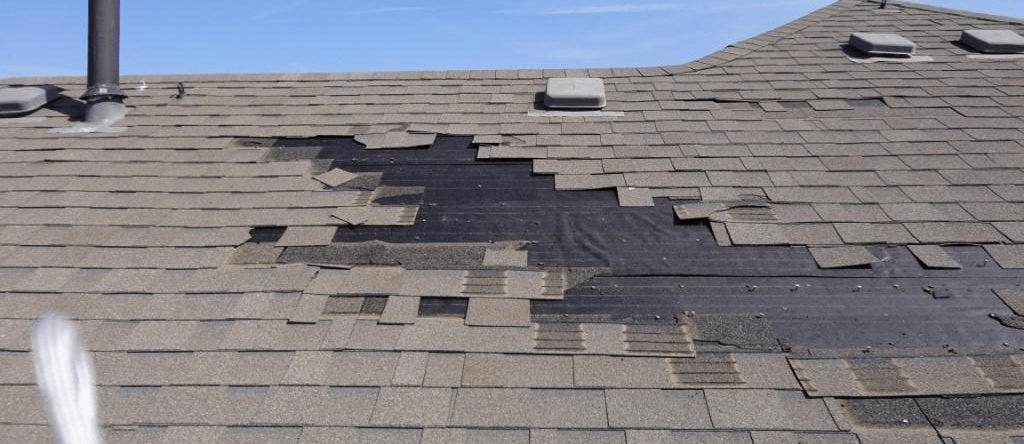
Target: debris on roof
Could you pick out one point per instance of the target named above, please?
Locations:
(335, 177)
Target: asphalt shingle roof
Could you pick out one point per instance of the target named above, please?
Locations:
(259, 260)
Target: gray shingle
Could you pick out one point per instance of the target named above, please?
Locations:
(767, 409)
(933, 256)
(921, 212)
(320, 405)
(498, 312)
(839, 257)
(850, 213)
(635, 197)
(1007, 256)
(412, 406)
(342, 368)
(665, 409)
(588, 181)
(858, 233)
(529, 371)
(954, 232)
(539, 408)
(1013, 230)
(400, 310)
(307, 236)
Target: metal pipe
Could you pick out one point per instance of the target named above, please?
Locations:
(104, 50)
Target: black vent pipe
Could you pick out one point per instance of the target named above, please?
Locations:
(103, 95)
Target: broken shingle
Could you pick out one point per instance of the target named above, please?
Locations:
(1007, 256)
(505, 258)
(307, 236)
(1013, 298)
(933, 256)
(498, 312)
(635, 197)
(335, 177)
(841, 257)
(396, 140)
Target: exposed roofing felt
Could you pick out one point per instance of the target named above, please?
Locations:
(434, 257)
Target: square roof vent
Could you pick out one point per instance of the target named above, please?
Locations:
(993, 41)
(575, 93)
(25, 99)
(882, 44)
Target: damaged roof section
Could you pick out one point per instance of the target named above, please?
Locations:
(739, 248)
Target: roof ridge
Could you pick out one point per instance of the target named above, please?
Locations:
(768, 38)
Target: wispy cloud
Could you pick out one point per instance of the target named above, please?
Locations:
(637, 8)
(276, 9)
(621, 8)
(390, 10)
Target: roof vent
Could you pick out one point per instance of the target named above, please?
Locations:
(25, 99)
(103, 96)
(993, 41)
(882, 44)
(575, 93)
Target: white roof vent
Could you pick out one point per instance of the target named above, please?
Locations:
(882, 44)
(25, 99)
(993, 41)
(575, 93)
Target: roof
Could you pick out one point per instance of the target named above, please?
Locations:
(781, 241)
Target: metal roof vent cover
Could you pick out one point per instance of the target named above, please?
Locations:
(881, 44)
(26, 99)
(993, 41)
(575, 93)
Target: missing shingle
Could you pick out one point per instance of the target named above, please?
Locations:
(253, 142)
(707, 368)
(880, 375)
(444, 307)
(734, 104)
(795, 104)
(558, 336)
(266, 234)
(866, 103)
(373, 305)
(728, 331)
(657, 339)
(255, 253)
(344, 305)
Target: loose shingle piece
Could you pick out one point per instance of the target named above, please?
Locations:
(307, 236)
(933, 256)
(1007, 256)
(335, 177)
(840, 257)
(396, 140)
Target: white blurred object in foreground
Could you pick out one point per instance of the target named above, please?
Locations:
(64, 375)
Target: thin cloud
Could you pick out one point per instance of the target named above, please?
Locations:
(637, 8)
(391, 10)
(616, 9)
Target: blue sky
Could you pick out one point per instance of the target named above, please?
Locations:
(226, 36)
